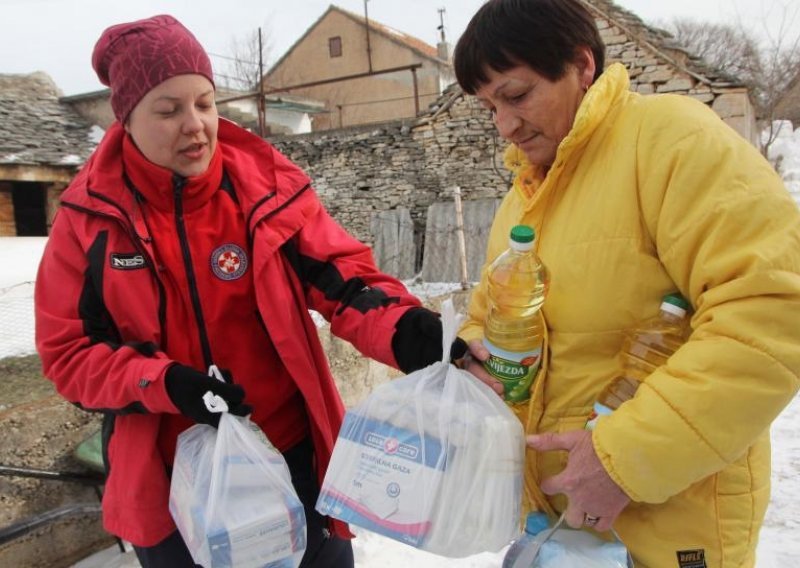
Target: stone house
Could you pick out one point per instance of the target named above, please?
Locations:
(43, 143)
(788, 107)
(343, 58)
(657, 64)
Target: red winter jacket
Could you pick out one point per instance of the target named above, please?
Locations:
(100, 311)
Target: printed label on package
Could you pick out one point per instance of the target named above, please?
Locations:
(383, 478)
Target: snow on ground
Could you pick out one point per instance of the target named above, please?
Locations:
(19, 257)
(779, 544)
(784, 152)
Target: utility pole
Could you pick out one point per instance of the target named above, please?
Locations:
(442, 49)
(369, 49)
(262, 111)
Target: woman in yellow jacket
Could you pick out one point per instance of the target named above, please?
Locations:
(633, 197)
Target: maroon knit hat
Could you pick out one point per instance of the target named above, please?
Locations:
(133, 58)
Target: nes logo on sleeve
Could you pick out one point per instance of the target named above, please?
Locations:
(229, 262)
(130, 261)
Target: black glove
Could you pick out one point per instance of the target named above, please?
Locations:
(417, 340)
(186, 387)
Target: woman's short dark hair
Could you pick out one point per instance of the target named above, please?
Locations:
(543, 34)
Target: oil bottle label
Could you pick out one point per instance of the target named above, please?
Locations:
(515, 370)
(598, 410)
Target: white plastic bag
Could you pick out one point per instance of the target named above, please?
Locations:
(434, 459)
(232, 498)
(563, 547)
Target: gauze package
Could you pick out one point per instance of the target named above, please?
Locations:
(433, 459)
(563, 547)
(232, 498)
(578, 549)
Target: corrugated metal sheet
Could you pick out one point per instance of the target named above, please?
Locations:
(393, 242)
(441, 257)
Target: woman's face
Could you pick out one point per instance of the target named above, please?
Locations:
(175, 124)
(533, 112)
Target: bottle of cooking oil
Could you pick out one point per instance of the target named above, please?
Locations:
(514, 333)
(644, 348)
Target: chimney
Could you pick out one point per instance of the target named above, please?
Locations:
(443, 50)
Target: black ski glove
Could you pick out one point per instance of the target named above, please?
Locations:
(417, 340)
(186, 387)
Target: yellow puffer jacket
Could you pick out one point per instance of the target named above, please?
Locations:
(650, 195)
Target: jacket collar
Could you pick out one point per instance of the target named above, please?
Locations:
(604, 94)
(157, 184)
(259, 174)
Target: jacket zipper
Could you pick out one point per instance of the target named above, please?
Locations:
(178, 183)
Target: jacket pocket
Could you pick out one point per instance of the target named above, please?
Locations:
(742, 498)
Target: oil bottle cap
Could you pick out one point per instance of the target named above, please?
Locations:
(536, 522)
(675, 304)
(522, 234)
(521, 238)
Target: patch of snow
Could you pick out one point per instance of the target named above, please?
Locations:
(784, 153)
(427, 290)
(96, 134)
(70, 160)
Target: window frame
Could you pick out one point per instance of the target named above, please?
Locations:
(335, 46)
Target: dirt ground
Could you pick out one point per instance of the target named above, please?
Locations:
(40, 431)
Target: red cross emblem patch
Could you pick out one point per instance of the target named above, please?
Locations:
(229, 262)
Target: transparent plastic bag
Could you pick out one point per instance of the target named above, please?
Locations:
(433, 459)
(232, 498)
(563, 547)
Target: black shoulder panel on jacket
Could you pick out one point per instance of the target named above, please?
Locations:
(226, 185)
(97, 322)
(98, 325)
(325, 277)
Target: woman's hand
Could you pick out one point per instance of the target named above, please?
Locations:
(594, 499)
(473, 362)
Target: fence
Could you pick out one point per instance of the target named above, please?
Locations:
(400, 254)
(16, 320)
(441, 257)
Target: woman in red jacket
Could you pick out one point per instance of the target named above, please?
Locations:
(186, 242)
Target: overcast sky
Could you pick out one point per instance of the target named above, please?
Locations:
(57, 36)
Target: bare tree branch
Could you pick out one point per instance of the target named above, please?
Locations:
(241, 69)
(767, 63)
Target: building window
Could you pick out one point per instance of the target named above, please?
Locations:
(335, 46)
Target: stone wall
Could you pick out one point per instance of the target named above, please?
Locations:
(359, 172)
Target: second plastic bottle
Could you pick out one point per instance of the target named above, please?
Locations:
(514, 332)
(644, 349)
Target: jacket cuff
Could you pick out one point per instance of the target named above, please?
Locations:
(150, 386)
